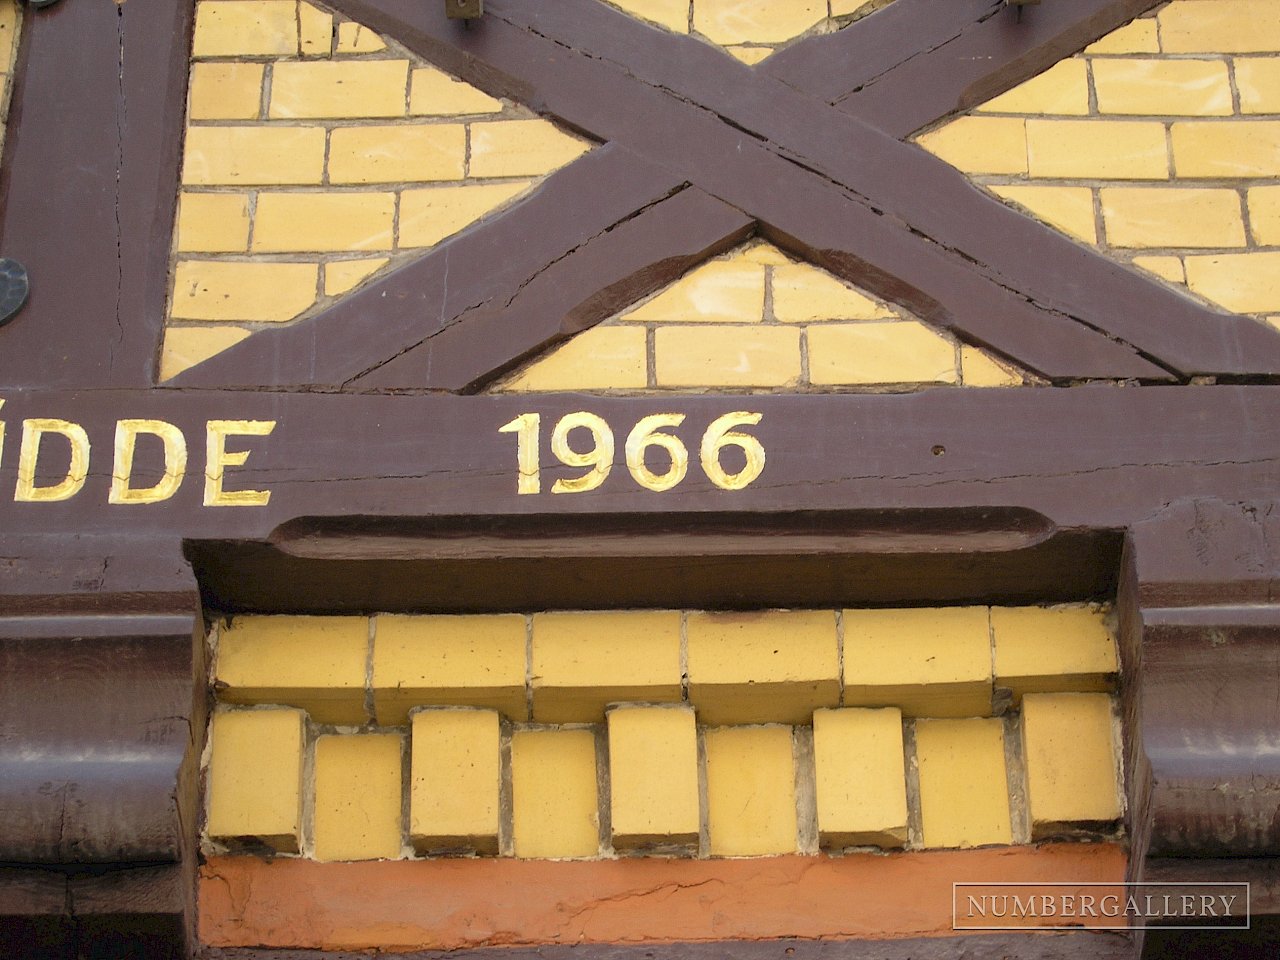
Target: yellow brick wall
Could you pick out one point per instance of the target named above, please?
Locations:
(10, 23)
(319, 155)
(582, 734)
(756, 319)
(750, 29)
(1159, 144)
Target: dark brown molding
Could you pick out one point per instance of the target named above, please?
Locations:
(88, 189)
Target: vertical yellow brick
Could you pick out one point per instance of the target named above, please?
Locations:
(226, 91)
(456, 770)
(1149, 87)
(964, 784)
(1264, 214)
(1046, 649)
(726, 356)
(255, 776)
(434, 93)
(1062, 89)
(474, 661)
(653, 776)
(316, 663)
(765, 667)
(1069, 748)
(357, 38)
(751, 794)
(521, 148)
(583, 661)
(900, 351)
(315, 30)
(981, 144)
(391, 154)
(861, 777)
(358, 797)
(722, 291)
(1097, 149)
(604, 358)
(1179, 216)
(230, 28)
(213, 223)
(554, 794)
(1258, 79)
(928, 662)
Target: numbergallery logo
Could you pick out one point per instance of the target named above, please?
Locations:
(1100, 906)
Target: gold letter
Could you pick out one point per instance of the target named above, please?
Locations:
(217, 457)
(29, 453)
(175, 461)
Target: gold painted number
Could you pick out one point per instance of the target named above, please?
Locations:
(649, 432)
(720, 435)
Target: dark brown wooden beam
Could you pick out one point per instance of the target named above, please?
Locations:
(89, 187)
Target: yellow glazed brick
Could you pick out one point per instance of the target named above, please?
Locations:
(230, 28)
(1097, 149)
(213, 223)
(861, 778)
(672, 14)
(255, 776)
(1070, 209)
(434, 93)
(339, 88)
(391, 154)
(867, 353)
(1046, 649)
(927, 662)
(1062, 89)
(722, 291)
(316, 663)
(1172, 217)
(554, 795)
(751, 795)
(8, 32)
(749, 55)
(1070, 755)
(253, 155)
(726, 356)
(755, 21)
(981, 144)
(358, 797)
(1244, 282)
(1161, 87)
(803, 294)
(1136, 37)
(1226, 149)
(653, 776)
(226, 91)
(774, 666)
(520, 148)
(317, 222)
(1258, 80)
(356, 38)
(315, 30)
(1170, 268)
(763, 253)
(979, 370)
(429, 215)
(184, 347)
(1220, 26)
(475, 661)
(964, 791)
(1264, 215)
(265, 292)
(343, 275)
(456, 776)
(582, 661)
(605, 358)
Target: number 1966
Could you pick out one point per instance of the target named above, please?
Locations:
(598, 460)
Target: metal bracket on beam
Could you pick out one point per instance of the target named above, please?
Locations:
(464, 9)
